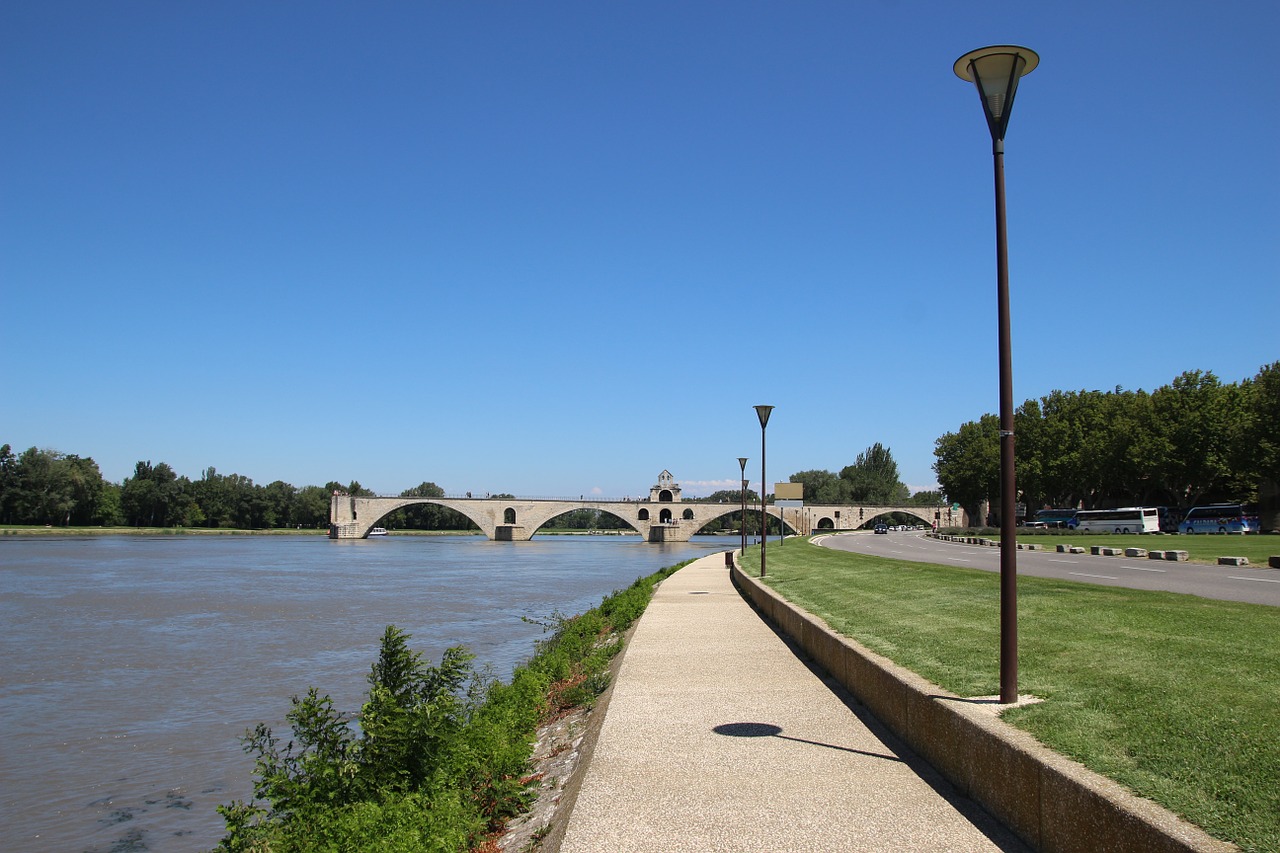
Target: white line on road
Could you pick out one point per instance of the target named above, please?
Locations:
(1145, 569)
(1083, 575)
(960, 559)
(1068, 562)
(1259, 580)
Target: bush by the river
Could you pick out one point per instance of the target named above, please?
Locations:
(440, 756)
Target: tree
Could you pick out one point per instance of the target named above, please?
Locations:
(157, 497)
(1261, 441)
(311, 506)
(108, 512)
(823, 487)
(43, 488)
(278, 504)
(8, 482)
(1196, 419)
(968, 464)
(873, 478)
(213, 494)
(87, 487)
(732, 496)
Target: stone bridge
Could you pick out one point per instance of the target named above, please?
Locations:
(664, 517)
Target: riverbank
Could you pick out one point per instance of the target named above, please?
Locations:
(443, 753)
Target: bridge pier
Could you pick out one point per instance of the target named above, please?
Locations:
(510, 533)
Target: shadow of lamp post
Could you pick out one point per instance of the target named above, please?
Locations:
(995, 71)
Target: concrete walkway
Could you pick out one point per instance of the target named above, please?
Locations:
(717, 737)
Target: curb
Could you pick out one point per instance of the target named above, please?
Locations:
(1053, 803)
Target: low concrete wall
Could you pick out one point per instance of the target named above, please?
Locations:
(1051, 802)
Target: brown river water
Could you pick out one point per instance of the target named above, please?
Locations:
(130, 667)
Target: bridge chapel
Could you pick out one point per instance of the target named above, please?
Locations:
(666, 491)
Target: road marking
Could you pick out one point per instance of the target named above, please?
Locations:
(1084, 575)
(1068, 562)
(1145, 569)
(1259, 580)
(960, 559)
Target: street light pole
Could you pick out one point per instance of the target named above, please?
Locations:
(762, 412)
(742, 465)
(995, 71)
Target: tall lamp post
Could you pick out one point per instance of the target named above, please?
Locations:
(762, 412)
(742, 465)
(996, 71)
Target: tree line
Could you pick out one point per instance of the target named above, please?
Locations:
(48, 487)
(1193, 441)
(872, 480)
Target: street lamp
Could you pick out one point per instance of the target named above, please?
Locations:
(996, 71)
(762, 412)
(742, 465)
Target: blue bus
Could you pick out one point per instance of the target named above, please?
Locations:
(1218, 518)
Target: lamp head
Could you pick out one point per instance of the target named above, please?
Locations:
(742, 463)
(995, 71)
(762, 412)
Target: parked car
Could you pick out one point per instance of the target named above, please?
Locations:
(880, 528)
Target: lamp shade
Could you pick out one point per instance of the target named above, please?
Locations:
(762, 412)
(996, 71)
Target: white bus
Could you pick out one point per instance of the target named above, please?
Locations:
(1129, 519)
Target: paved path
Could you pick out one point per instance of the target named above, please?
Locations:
(718, 738)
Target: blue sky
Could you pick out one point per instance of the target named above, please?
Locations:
(555, 248)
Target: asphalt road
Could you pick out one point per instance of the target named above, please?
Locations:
(1228, 583)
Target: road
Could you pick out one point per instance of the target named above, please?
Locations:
(1228, 583)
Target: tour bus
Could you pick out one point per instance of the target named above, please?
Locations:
(1057, 517)
(1219, 518)
(1129, 519)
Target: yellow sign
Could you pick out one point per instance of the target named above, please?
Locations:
(788, 491)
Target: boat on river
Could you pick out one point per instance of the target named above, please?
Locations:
(378, 531)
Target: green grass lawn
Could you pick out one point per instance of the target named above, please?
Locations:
(1174, 696)
(1200, 548)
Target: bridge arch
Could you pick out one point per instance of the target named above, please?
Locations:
(379, 508)
(923, 514)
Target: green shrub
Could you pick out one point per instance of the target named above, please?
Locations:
(441, 754)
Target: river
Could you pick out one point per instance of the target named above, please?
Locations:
(131, 666)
